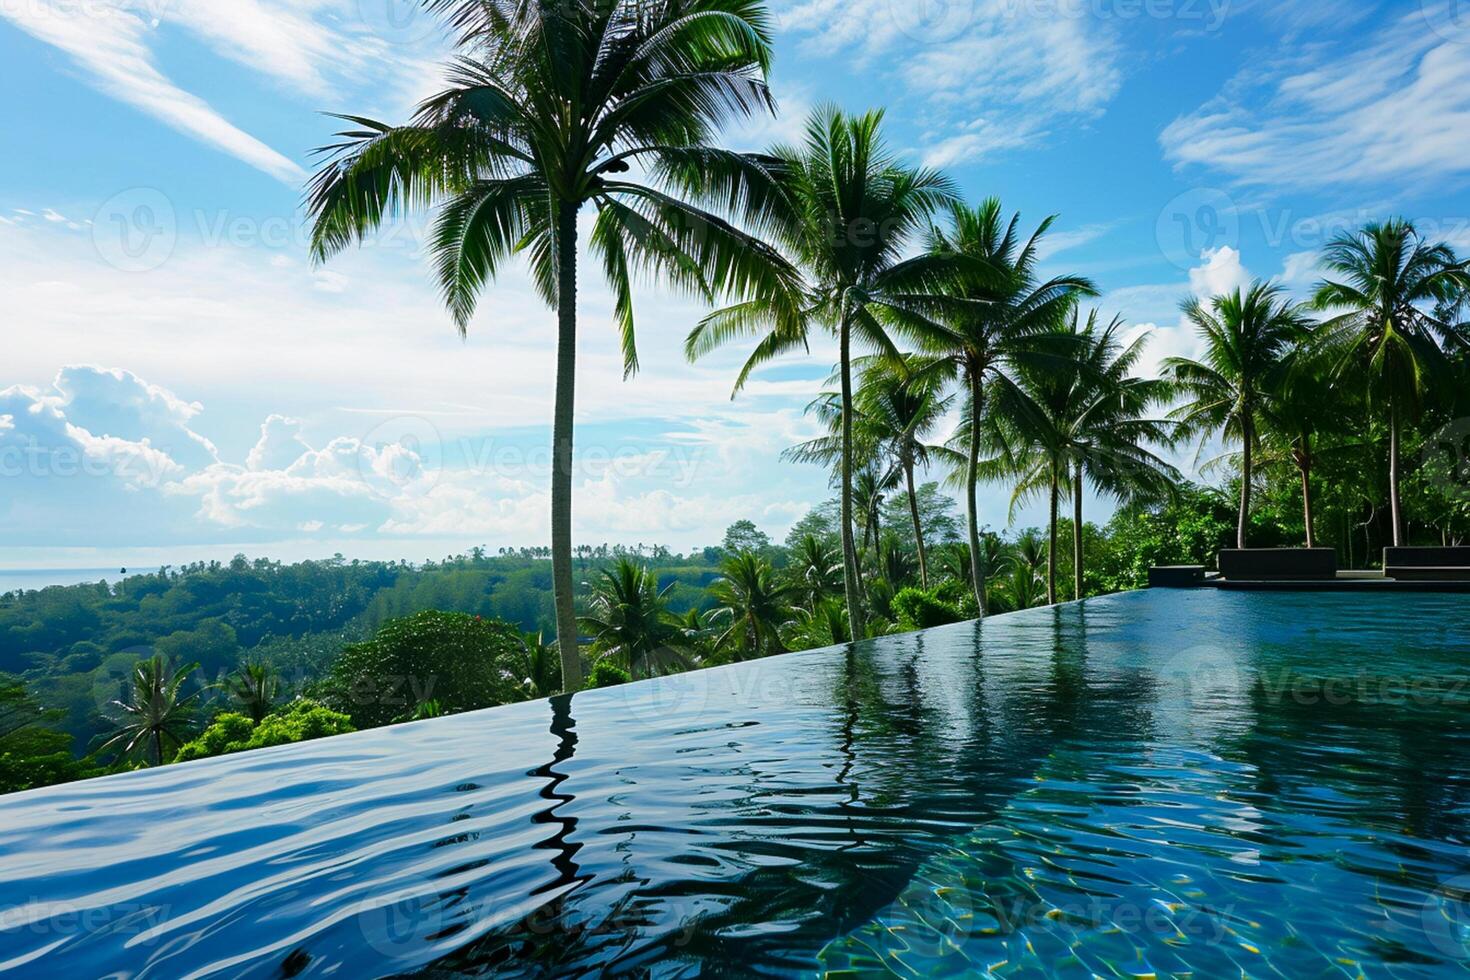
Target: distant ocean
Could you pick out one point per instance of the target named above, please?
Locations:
(39, 578)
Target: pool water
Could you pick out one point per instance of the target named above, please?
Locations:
(1169, 783)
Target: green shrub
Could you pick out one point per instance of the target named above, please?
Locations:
(921, 609)
(605, 673)
(463, 662)
(302, 721)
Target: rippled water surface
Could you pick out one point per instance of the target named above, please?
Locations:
(1159, 783)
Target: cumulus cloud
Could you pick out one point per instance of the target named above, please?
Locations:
(1221, 273)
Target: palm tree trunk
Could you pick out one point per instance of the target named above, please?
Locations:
(908, 473)
(1305, 467)
(561, 439)
(1051, 553)
(157, 747)
(1077, 534)
(849, 546)
(1393, 474)
(972, 480)
(1248, 434)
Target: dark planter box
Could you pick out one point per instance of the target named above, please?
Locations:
(1427, 564)
(1176, 576)
(1278, 563)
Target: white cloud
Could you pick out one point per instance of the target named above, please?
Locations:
(1396, 108)
(111, 44)
(1221, 273)
(1032, 65)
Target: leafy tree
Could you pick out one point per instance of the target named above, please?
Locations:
(819, 522)
(550, 108)
(991, 336)
(157, 716)
(754, 603)
(745, 536)
(1247, 336)
(464, 662)
(18, 709)
(630, 622)
(1385, 279)
(852, 210)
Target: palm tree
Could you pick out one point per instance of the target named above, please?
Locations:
(1090, 421)
(157, 715)
(254, 687)
(550, 107)
(823, 625)
(898, 407)
(630, 621)
(1304, 406)
(993, 336)
(854, 209)
(756, 604)
(1247, 337)
(1386, 275)
(815, 570)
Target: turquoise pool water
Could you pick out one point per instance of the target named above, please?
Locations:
(1165, 782)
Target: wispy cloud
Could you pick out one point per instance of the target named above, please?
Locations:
(1396, 108)
(1031, 64)
(110, 45)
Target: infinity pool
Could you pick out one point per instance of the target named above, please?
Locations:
(1198, 782)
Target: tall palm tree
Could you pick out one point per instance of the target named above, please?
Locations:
(988, 339)
(1386, 279)
(854, 211)
(255, 688)
(157, 715)
(630, 622)
(551, 107)
(756, 604)
(1247, 336)
(1089, 422)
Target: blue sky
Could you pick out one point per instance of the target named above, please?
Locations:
(179, 382)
